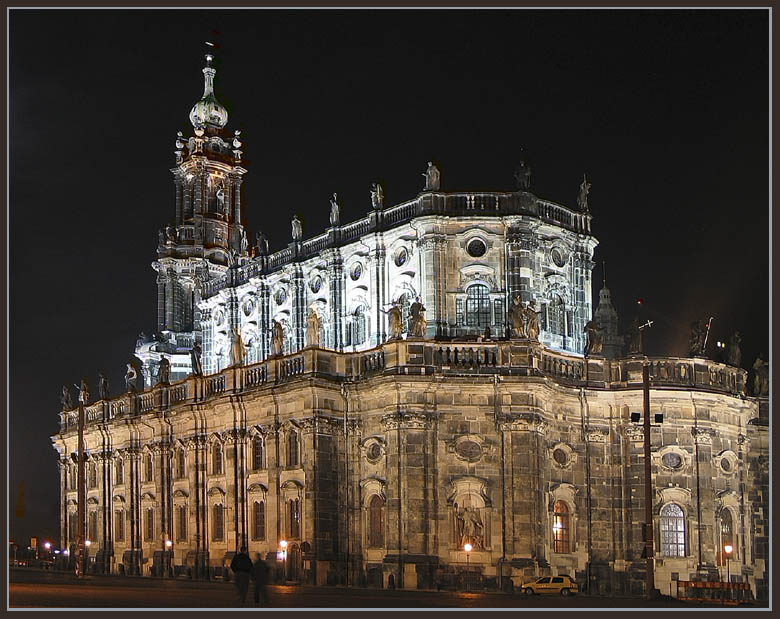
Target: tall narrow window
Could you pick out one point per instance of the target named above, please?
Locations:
(726, 536)
(460, 319)
(149, 468)
(120, 472)
(216, 458)
(217, 523)
(294, 518)
(292, 449)
(92, 475)
(257, 453)
(672, 531)
(149, 524)
(376, 522)
(181, 463)
(72, 527)
(73, 477)
(181, 513)
(477, 306)
(556, 316)
(92, 529)
(561, 527)
(119, 525)
(359, 326)
(405, 304)
(258, 520)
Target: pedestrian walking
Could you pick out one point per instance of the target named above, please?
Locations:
(260, 576)
(242, 567)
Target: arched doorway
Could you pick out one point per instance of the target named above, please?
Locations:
(294, 563)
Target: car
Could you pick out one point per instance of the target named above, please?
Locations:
(551, 584)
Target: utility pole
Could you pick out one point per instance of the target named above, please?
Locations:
(648, 485)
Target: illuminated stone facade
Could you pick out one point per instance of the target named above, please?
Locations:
(377, 459)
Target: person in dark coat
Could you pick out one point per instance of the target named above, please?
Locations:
(242, 567)
(260, 576)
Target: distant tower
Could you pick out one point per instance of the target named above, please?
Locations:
(203, 238)
(607, 318)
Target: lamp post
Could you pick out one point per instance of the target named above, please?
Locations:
(728, 549)
(283, 545)
(468, 548)
(168, 561)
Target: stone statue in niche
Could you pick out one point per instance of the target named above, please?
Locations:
(377, 197)
(195, 353)
(595, 341)
(334, 211)
(164, 371)
(582, 196)
(102, 387)
(523, 176)
(261, 242)
(313, 328)
(432, 178)
(417, 312)
(277, 339)
(760, 378)
(219, 194)
(396, 321)
(65, 398)
(297, 229)
(470, 526)
(131, 377)
(733, 350)
(698, 338)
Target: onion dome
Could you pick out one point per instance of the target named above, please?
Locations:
(208, 112)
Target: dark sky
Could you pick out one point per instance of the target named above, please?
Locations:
(666, 111)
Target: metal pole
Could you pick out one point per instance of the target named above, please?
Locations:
(82, 498)
(648, 485)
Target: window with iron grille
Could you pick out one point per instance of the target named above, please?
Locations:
(181, 513)
(216, 459)
(119, 525)
(149, 525)
(561, 527)
(218, 523)
(257, 453)
(258, 520)
(292, 449)
(672, 531)
(359, 327)
(477, 306)
(120, 472)
(149, 469)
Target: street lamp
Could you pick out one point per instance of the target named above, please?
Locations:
(88, 543)
(468, 548)
(168, 560)
(283, 545)
(728, 549)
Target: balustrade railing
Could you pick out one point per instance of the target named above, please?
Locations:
(255, 375)
(465, 356)
(290, 367)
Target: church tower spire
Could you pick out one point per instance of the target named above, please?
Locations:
(205, 235)
(607, 318)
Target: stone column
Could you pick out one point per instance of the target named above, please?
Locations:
(161, 279)
(177, 183)
(336, 298)
(703, 535)
(380, 292)
(299, 306)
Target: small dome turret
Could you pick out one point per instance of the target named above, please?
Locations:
(208, 112)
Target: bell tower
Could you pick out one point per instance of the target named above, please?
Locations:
(204, 237)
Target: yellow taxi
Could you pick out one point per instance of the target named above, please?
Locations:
(551, 584)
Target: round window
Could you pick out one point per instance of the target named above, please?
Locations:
(315, 284)
(726, 465)
(672, 460)
(557, 257)
(249, 307)
(374, 451)
(560, 456)
(476, 248)
(470, 450)
(401, 256)
(280, 296)
(219, 317)
(356, 272)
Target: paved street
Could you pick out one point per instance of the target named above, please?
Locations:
(51, 589)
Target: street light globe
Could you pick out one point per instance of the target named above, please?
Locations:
(728, 548)
(88, 543)
(168, 543)
(468, 547)
(66, 552)
(283, 544)
(47, 545)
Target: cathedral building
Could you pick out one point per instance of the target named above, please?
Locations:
(361, 405)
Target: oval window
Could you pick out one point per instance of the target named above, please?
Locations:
(315, 284)
(557, 257)
(374, 451)
(470, 450)
(672, 460)
(356, 272)
(281, 296)
(401, 257)
(476, 248)
(560, 456)
(726, 465)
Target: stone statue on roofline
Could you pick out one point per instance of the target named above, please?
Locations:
(432, 178)
(523, 176)
(84, 392)
(334, 211)
(582, 196)
(65, 398)
(595, 341)
(635, 346)
(733, 350)
(102, 387)
(164, 371)
(761, 376)
(297, 229)
(418, 321)
(261, 242)
(131, 378)
(531, 320)
(698, 339)
(313, 328)
(195, 354)
(517, 323)
(396, 321)
(277, 339)
(377, 196)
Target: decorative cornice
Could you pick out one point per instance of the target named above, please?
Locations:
(703, 436)
(524, 422)
(408, 421)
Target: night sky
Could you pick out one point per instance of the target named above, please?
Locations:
(666, 112)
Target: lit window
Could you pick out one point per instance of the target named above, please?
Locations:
(477, 306)
(561, 527)
(672, 531)
(258, 520)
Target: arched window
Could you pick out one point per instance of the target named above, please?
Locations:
(376, 522)
(73, 477)
(405, 304)
(561, 528)
(218, 522)
(181, 513)
(258, 520)
(149, 524)
(359, 326)
(120, 472)
(257, 453)
(119, 525)
(181, 463)
(92, 475)
(92, 529)
(292, 449)
(294, 506)
(477, 306)
(556, 316)
(149, 470)
(726, 536)
(672, 531)
(73, 523)
(216, 458)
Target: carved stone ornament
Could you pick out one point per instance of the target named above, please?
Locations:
(635, 433)
(703, 436)
(407, 421)
(596, 435)
(523, 422)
